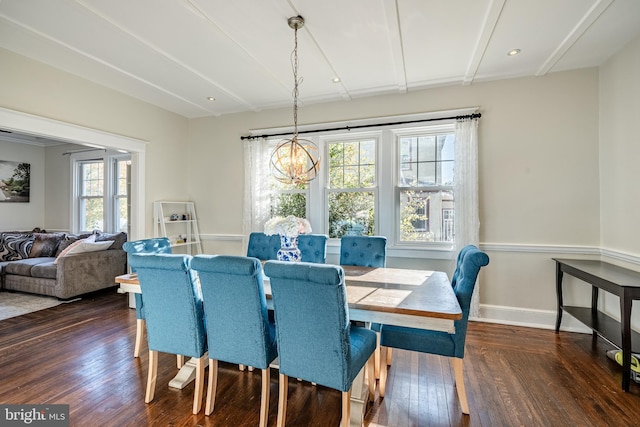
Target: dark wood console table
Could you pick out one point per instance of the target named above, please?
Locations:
(617, 280)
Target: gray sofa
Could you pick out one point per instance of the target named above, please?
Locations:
(37, 263)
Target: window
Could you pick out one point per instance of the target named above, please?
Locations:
(393, 180)
(91, 198)
(351, 187)
(101, 192)
(425, 186)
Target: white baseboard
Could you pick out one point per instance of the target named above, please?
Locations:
(541, 319)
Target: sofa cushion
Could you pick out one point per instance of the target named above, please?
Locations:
(117, 238)
(3, 264)
(23, 267)
(46, 269)
(45, 244)
(15, 246)
(83, 246)
(69, 239)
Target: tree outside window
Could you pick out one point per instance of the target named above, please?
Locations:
(102, 193)
(91, 195)
(351, 185)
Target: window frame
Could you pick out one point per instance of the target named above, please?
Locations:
(324, 143)
(110, 161)
(422, 130)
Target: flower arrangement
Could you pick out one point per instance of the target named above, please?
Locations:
(287, 226)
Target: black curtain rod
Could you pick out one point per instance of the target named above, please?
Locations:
(348, 128)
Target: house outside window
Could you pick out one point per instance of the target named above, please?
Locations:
(425, 186)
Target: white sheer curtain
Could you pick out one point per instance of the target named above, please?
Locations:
(467, 221)
(256, 186)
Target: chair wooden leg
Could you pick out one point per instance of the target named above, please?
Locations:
(264, 400)
(283, 389)
(462, 392)
(179, 360)
(376, 355)
(151, 376)
(389, 355)
(139, 336)
(199, 385)
(211, 387)
(346, 409)
(371, 378)
(382, 386)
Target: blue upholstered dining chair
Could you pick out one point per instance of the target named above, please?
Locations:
(262, 246)
(316, 340)
(365, 251)
(313, 247)
(441, 343)
(174, 314)
(238, 328)
(159, 245)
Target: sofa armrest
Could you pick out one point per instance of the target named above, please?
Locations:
(88, 272)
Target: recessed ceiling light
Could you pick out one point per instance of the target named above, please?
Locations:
(336, 79)
(210, 98)
(513, 52)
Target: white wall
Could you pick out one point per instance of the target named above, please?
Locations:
(620, 151)
(58, 187)
(619, 160)
(31, 87)
(24, 216)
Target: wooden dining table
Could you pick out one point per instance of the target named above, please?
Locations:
(393, 296)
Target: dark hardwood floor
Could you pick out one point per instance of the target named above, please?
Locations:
(81, 354)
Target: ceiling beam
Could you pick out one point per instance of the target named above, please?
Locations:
(488, 26)
(589, 18)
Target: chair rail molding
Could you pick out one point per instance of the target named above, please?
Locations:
(605, 253)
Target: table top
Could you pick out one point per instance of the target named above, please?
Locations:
(611, 273)
(397, 291)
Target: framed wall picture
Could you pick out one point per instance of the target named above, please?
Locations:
(14, 182)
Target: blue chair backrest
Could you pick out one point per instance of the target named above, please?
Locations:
(313, 247)
(456, 273)
(262, 246)
(173, 303)
(235, 309)
(312, 321)
(471, 262)
(157, 245)
(365, 251)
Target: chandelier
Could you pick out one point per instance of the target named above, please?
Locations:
(295, 160)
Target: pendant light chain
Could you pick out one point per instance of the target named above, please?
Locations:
(295, 83)
(295, 161)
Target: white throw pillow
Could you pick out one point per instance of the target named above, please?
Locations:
(83, 246)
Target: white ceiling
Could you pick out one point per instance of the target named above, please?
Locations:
(176, 53)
